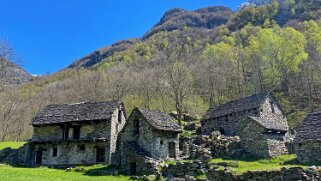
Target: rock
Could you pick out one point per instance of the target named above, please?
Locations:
(200, 171)
(190, 127)
(68, 169)
(205, 158)
(188, 118)
(189, 178)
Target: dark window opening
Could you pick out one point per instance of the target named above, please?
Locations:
(65, 133)
(136, 127)
(54, 152)
(272, 107)
(222, 131)
(120, 112)
(172, 150)
(161, 142)
(82, 147)
(76, 133)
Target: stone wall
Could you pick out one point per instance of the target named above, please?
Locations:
(88, 130)
(230, 124)
(115, 128)
(180, 169)
(308, 152)
(291, 174)
(68, 153)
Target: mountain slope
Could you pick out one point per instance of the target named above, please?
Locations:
(11, 74)
(175, 19)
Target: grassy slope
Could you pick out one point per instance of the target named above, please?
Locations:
(8, 172)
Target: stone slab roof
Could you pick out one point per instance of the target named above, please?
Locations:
(55, 114)
(160, 120)
(310, 129)
(271, 123)
(246, 103)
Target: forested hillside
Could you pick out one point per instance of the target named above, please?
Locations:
(210, 56)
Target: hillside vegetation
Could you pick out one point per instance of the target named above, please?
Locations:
(192, 67)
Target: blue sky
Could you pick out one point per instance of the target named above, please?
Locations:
(50, 34)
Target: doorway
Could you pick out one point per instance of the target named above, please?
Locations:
(172, 150)
(133, 168)
(39, 157)
(100, 156)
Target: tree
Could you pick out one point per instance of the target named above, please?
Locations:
(282, 51)
(179, 79)
(8, 110)
(312, 67)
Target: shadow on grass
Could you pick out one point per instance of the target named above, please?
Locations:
(10, 156)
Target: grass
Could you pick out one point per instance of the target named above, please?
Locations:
(13, 145)
(261, 164)
(12, 173)
(43, 173)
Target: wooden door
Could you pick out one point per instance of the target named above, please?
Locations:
(100, 157)
(133, 168)
(172, 150)
(39, 157)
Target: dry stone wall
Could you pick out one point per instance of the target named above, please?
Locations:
(308, 152)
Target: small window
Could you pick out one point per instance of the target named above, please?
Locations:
(54, 151)
(82, 147)
(120, 113)
(272, 107)
(161, 142)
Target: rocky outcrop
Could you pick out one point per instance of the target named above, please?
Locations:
(103, 53)
(11, 74)
(203, 18)
(176, 19)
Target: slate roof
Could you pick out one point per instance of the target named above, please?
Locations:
(160, 120)
(310, 129)
(271, 123)
(55, 114)
(246, 103)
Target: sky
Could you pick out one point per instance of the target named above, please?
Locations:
(50, 34)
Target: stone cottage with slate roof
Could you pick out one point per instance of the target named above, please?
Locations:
(258, 120)
(148, 136)
(307, 141)
(76, 134)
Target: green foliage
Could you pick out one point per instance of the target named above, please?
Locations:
(282, 51)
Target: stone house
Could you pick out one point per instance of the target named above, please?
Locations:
(307, 141)
(76, 134)
(148, 136)
(257, 119)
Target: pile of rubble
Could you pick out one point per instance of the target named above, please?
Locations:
(206, 147)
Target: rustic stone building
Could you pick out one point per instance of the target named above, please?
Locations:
(258, 120)
(76, 134)
(307, 141)
(148, 136)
